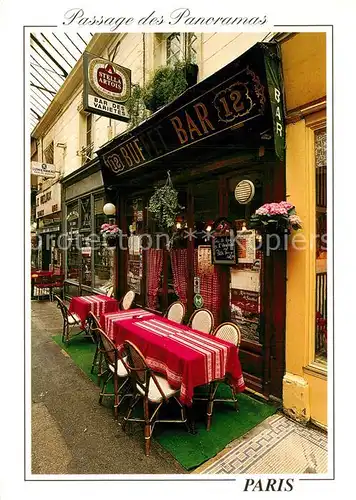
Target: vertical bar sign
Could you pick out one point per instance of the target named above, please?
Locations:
(275, 90)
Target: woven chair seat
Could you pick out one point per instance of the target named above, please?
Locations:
(121, 370)
(176, 312)
(153, 393)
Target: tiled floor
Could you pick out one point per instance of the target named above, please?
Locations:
(276, 446)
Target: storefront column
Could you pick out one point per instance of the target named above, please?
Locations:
(300, 262)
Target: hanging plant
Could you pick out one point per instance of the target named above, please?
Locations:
(164, 205)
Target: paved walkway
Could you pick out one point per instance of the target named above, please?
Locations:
(73, 434)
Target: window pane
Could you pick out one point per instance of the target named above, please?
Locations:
(73, 255)
(174, 51)
(103, 256)
(321, 248)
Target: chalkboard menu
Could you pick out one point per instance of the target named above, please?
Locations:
(224, 250)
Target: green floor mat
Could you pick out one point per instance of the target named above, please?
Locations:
(190, 450)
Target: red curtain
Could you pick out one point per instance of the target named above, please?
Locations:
(154, 268)
(209, 289)
(180, 272)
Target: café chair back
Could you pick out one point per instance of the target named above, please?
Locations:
(114, 370)
(202, 320)
(57, 283)
(151, 389)
(231, 333)
(176, 312)
(110, 292)
(70, 320)
(127, 300)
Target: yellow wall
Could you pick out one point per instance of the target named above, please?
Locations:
(305, 383)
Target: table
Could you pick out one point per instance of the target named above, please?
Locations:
(110, 319)
(97, 304)
(186, 357)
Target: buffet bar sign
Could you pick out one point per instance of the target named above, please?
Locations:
(237, 100)
(106, 87)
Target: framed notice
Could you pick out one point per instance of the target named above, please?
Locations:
(223, 249)
(205, 266)
(246, 246)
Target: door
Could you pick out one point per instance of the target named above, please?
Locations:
(257, 288)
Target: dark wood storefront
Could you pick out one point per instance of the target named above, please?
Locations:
(210, 157)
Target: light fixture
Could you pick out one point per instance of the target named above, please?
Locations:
(109, 209)
(208, 229)
(61, 145)
(244, 228)
(179, 225)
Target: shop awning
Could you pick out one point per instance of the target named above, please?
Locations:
(240, 107)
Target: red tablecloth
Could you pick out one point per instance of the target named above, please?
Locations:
(186, 357)
(97, 304)
(35, 274)
(109, 319)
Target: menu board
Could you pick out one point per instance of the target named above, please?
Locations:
(224, 250)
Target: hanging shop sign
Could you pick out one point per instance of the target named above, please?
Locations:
(245, 96)
(106, 87)
(43, 169)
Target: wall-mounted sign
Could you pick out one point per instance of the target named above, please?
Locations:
(246, 246)
(198, 301)
(205, 266)
(196, 284)
(238, 96)
(43, 169)
(224, 250)
(49, 201)
(106, 87)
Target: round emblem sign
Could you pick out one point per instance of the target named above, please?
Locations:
(198, 301)
(244, 192)
(109, 80)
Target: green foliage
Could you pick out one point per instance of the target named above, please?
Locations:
(166, 84)
(164, 206)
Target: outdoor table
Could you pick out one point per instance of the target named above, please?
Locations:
(186, 357)
(109, 319)
(97, 304)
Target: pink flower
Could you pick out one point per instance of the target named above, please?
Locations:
(286, 205)
(277, 209)
(262, 211)
(104, 227)
(295, 221)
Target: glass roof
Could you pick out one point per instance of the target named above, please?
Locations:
(52, 56)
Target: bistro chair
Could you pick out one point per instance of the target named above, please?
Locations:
(231, 333)
(202, 320)
(127, 300)
(93, 328)
(42, 286)
(150, 388)
(115, 371)
(56, 283)
(110, 292)
(70, 320)
(176, 312)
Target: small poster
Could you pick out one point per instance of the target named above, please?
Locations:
(245, 280)
(246, 246)
(205, 266)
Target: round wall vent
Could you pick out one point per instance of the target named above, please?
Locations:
(244, 192)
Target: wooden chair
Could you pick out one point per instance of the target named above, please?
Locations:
(231, 333)
(70, 320)
(151, 388)
(176, 312)
(110, 292)
(115, 370)
(127, 300)
(202, 320)
(94, 326)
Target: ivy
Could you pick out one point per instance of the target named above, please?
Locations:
(164, 205)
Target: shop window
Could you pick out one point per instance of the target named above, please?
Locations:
(73, 253)
(321, 247)
(49, 153)
(181, 46)
(103, 256)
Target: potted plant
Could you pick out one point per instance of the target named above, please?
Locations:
(164, 205)
(276, 220)
(110, 233)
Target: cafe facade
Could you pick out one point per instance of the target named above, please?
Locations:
(221, 146)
